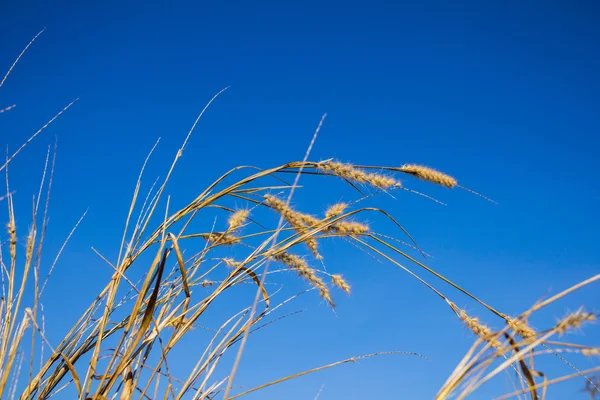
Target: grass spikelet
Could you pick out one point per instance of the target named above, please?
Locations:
(308, 219)
(221, 238)
(231, 263)
(12, 234)
(594, 351)
(521, 328)
(349, 172)
(350, 228)
(297, 220)
(338, 281)
(574, 321)
(429, 174)
(479, 329)
(206, 283)
(301, 267)
(335, 210)
(237, 219)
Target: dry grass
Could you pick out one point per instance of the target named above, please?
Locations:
(121, 346)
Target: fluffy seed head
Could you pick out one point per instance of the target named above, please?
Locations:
(335, 210)
(237, 219)
(221, 238)
(594, 351)
(297, 220)
(347, 171)
(429, 174)
(350, 228)
(479, 329)
(231, 263)
(299, 265)
(574, 320)
(338, 280)
(521, 328)
(12, 233)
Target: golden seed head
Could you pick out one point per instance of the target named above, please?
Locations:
(574, 320)
(350, 228)
(296, 219)
(230, 262)
(308, 219)
(521, 328)
(349, 172)
(237, 219)
(301, 267)
(311, 243)
(429, 174)
(221, 238)
(593, 351)
(12, 233)
(335, 210)
(339, 281)
(479, 329)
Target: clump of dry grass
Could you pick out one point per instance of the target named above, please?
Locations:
(170, 271)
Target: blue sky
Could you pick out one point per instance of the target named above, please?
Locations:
(502, 95)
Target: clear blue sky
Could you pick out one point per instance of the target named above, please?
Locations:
(502, 95)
